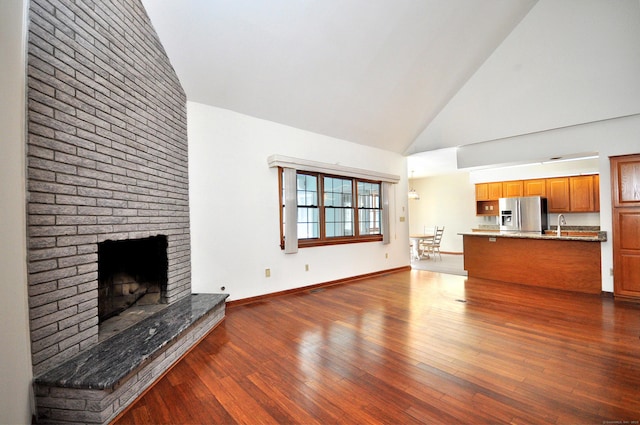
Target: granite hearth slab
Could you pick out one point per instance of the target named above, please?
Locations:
(106, 364)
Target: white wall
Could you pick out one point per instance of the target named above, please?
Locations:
(235, 212)
(15, 365)
(447, 200)
(568, 62)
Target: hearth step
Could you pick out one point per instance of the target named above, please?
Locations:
(98, 383)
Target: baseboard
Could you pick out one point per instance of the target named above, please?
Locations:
(451, 252)
(243, 301)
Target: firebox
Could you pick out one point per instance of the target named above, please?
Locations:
(131, 272)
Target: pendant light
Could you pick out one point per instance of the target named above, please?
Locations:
(412, 193)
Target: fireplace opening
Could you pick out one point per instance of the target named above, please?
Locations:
(131, 273)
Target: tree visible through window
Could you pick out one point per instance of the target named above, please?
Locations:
(334, 209)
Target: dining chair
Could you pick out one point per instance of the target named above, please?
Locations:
(433, 246)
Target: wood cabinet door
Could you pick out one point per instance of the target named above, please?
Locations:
(626, 252)
(596, 192)
(495, 191)
(536, 187)
(482, 192)
(581, 194)
(625, 179)
(558, 195)
(512, 189)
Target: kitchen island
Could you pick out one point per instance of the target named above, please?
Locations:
(570, 262)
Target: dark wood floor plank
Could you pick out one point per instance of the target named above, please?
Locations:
(409, 347)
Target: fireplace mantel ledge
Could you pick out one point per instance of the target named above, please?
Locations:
(103, 366)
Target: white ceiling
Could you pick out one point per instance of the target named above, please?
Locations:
(373, 72)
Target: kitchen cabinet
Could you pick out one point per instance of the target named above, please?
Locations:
(625, 194)
(564, 194)
(596, 192)
(512, 189)
(488, 191)
(558, 200)
(581, 194)
(482, 192)
(487, 195)
(535, 187)
(488, 208)
(495, 191)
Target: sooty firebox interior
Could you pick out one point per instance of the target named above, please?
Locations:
(131, 272)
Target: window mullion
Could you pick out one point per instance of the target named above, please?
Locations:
(321, 212)
(356, 208)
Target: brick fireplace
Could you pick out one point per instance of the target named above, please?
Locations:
(106, 163)
(107, 160)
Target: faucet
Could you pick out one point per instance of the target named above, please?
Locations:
(561, 221)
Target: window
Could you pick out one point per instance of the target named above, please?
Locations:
(332, 209)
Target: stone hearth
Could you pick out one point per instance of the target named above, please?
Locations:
(98, 384)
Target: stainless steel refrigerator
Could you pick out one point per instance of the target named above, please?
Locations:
(525, 214)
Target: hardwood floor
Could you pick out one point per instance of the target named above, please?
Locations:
(410, 347)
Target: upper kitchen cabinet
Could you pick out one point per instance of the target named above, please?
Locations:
(625, 172)
(488, 191)
(558, 200)
(512, 189)
(487, 195)
(573, 194)
(536, 187)
(482, 192)
(596, 191)
(495, 191)
(582, 194)
(564, 194)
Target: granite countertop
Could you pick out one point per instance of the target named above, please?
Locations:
(573, 236)
(103, 365)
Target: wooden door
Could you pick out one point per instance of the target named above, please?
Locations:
(581, 194)
(626, 252)
(625, 193)
(558, 195)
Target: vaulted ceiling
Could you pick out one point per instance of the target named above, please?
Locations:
(373, 72)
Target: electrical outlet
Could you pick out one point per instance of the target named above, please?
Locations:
(386, 255)
(611, 271)
(306, 267)
(267, 272)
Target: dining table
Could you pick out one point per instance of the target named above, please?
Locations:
(416, 240)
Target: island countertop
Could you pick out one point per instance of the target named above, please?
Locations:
(570, 235)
